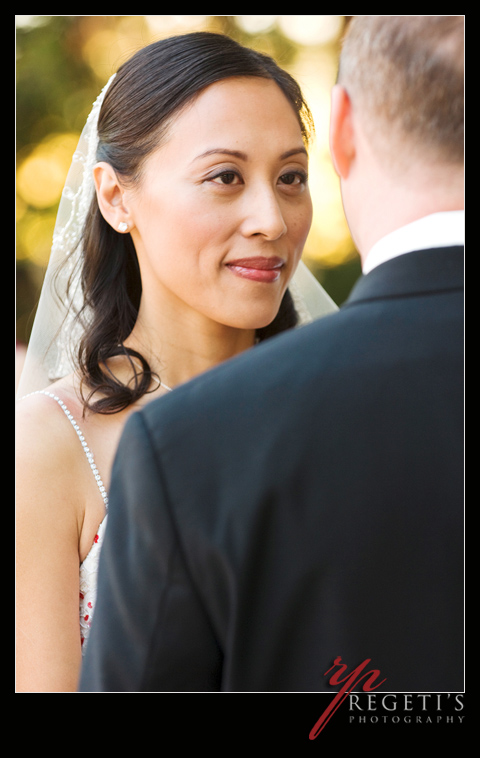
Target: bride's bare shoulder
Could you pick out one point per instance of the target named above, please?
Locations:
(48, 497)
(41, 426)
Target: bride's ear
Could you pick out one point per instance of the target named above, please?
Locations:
(111, 197)
(342, 133)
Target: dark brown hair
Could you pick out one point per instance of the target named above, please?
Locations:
(146, 93)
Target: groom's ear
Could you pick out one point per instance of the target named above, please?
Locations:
(342, 142)
(110, 194)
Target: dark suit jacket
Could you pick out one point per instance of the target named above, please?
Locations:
(302, 502)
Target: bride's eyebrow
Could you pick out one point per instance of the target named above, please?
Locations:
(222, 151)
(244, 157)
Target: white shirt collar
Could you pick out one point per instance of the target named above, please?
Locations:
(437, 230)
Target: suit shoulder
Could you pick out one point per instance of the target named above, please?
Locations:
(231, 389)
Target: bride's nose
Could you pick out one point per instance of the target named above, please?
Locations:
(263, 215)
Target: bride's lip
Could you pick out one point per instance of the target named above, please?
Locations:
(258, 269)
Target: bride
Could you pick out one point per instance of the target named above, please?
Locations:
(181, 226)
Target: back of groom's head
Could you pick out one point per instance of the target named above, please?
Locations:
(406, 76)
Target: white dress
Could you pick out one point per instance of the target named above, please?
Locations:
(89, 567)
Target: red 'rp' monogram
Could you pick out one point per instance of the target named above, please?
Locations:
(349, 682)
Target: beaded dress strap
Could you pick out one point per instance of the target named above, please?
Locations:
(86, 449)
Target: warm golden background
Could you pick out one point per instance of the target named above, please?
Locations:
(64, 61)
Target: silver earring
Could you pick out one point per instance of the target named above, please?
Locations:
(123, 226)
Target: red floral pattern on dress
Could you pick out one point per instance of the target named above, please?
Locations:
(88, 586)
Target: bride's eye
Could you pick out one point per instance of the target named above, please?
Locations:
(226, 177)
(294, 178)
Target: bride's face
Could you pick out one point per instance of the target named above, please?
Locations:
(223, 209)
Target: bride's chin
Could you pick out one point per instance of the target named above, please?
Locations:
(257, 317)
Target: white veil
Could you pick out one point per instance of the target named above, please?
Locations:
(56, 333)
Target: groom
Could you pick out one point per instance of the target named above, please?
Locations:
(304, 502)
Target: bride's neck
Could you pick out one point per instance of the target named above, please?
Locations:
(179, 348)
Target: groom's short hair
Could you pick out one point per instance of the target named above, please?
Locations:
(406, 75)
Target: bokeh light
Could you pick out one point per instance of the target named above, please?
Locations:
(42, 173)
(256, 24)
(311, 30)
